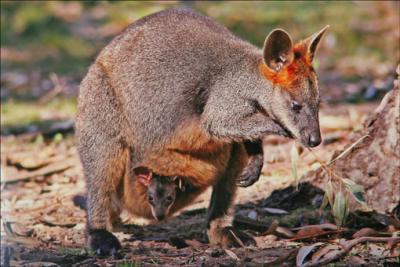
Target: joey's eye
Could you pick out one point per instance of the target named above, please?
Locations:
(296, 106)
(169, 199)
(150, 198)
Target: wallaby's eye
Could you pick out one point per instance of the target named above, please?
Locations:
(150, 198)
(296, 106)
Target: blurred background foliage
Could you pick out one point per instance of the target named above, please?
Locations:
(47, 46)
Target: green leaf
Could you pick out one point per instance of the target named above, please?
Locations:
(39, 139)
(58, 137)
(356, 191)
(340, 209)
(351, 185)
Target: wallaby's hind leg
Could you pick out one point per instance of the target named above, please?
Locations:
(103, 155)
(220, 214)
(103, 178)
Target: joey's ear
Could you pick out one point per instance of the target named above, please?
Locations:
(143, 174)
(313, 42)
(278, 50)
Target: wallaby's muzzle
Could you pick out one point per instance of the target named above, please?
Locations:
(314, 139)
(310, 137)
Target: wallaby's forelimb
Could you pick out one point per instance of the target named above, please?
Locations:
(252, 171)
(246, 123)
(219, 221)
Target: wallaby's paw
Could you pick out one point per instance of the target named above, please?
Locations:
(248, 178)
(251, 173)
(230, 237)
(103, 243)
(235, 238)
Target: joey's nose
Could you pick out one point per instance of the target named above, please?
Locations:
(160, 217)
(314, 140)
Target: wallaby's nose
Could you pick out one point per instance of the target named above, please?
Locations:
(314, 140)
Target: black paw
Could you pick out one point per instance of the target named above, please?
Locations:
(251, 173)
(248, 178)
(236, 238)
(103, 243)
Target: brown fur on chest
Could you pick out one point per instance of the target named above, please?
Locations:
(191, 154)
(134, 197)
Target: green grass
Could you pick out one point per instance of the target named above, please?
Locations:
(59, 46)
(129, 264)
(18, 113)
(72, 251)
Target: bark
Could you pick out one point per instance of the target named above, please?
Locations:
(375, 162)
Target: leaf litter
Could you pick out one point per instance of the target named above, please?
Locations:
(41, 224)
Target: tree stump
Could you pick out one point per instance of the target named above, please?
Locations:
(373, 163)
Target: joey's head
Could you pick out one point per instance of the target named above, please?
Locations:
(161, 192)
(294, 103)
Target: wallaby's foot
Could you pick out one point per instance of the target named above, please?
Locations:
(103, 243)
(230, 237)
(235, 238)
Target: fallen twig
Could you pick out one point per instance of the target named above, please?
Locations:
(47, 170)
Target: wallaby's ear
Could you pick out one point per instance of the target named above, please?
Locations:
(278, 50)
(144, 175)
(313, 42)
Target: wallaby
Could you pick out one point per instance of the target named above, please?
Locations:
(180, 94)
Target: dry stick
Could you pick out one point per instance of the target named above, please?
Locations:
(348, 149)
(59, 86)
(237, 239)
(326, 168)
(349, 246)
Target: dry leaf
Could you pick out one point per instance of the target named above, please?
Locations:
(309, 233)
(322, 252)
(304, 252)
(272, 228)
(194, 243)
(365, 232)
(231, 254)
(328, 196)
(294, 156)
(285, 232)
(356, 261)
(275, 211)
(324, 226)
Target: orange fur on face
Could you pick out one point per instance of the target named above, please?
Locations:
(287, 77)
